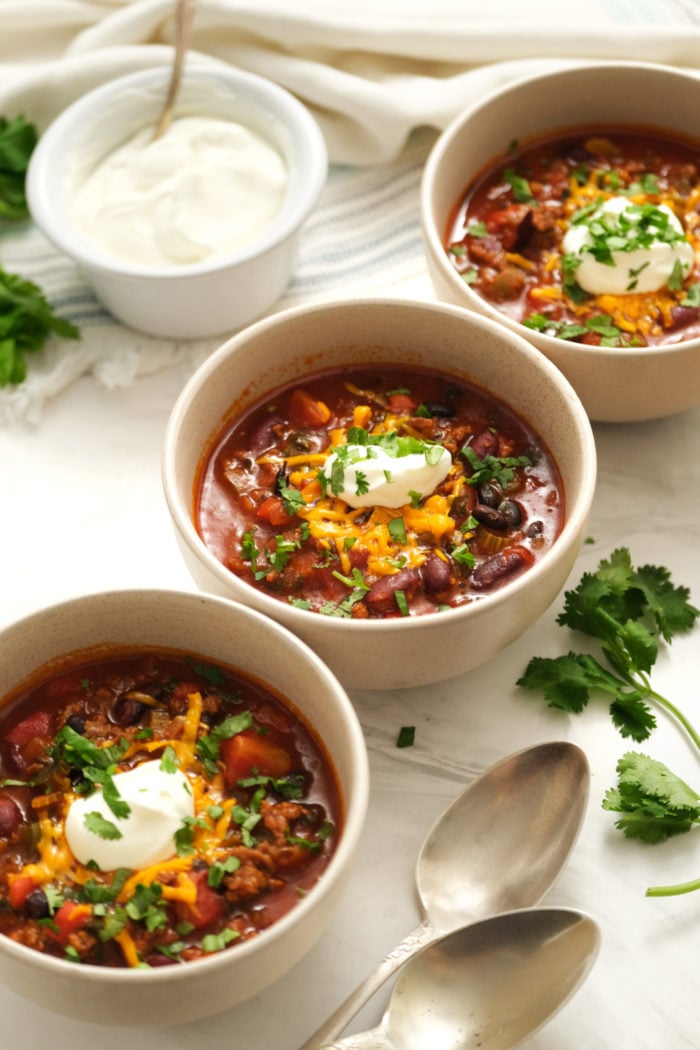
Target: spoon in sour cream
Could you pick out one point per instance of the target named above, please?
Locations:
(184, 20)
(499, 846)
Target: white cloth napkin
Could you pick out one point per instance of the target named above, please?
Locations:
(380, 76)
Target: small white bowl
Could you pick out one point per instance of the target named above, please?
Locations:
(196, 300)
(241, 638)
(614, 384)
(408, 651)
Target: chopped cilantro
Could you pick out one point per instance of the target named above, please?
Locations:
(406, 737)
(98, 825)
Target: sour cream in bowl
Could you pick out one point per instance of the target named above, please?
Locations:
(194, 234)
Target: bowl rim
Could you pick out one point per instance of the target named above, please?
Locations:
(574, 523)
(433, 238)
(41, 174)
(354, 813)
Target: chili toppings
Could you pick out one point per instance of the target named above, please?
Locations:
(154, 809)
(379, 492)
(590, 237)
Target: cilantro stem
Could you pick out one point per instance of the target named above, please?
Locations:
(673, 891)
(677, 714)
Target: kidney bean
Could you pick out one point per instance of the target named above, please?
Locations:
(491, 518)
(265, 436)
(683, 315)
(502, 565)
(381, 597)
(436, 573)
(485, 444)
(10, 816)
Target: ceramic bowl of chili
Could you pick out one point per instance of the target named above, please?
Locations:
(566, 206)
(404, 578)
(183, 785)
(193, 235)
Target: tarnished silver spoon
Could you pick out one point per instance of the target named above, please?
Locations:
(184, 20)
(499, 846)
(489, 985)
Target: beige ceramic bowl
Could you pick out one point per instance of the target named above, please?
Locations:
(217, 295)
(615, 385)
(385, 654)
(241, 638)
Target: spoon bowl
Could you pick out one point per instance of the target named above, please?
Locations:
(489, 985)
(504, 840)
(499, 846)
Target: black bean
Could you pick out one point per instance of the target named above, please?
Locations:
(36, 904)
(490, 495)
(76, 722)
(535, 528)
(512, 512)
(127, 712)
(490, 518)
(442, 411)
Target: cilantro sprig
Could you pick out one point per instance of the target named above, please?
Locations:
(18, 138)
(26, 321)
(628, 611)
(97, 766)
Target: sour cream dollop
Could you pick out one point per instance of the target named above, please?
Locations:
(159, 802)
(370, 476)
(655, 243)
(205, 188)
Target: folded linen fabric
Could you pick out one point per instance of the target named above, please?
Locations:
(381, 77)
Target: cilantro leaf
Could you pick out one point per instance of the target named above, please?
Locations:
(98, 825)
(26, 321)
(655, 804)
(17, 141)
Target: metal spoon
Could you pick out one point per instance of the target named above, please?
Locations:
(489, 985)
(500, 845)
(184, 19)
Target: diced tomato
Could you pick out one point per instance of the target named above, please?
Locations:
(208, 907)
(305, 409)
(63, 685)
(246, 754)
(69, 918)
(19, 890)
(37, 724)
(274, 511)
(402, 404)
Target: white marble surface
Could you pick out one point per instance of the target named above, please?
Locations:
(81, 509)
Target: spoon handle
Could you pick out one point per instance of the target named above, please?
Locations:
(184, 18)
(340, 1018)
